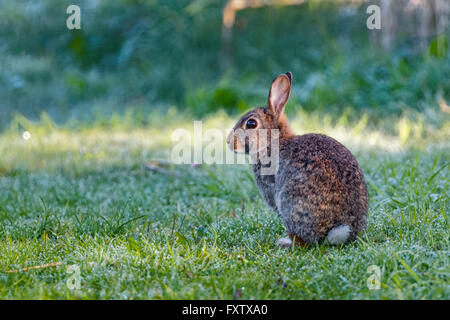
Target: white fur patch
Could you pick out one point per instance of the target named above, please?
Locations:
(339, 235)
(284, 242)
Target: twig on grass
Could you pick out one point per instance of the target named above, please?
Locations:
(42, 266)
(165, 167)
(164, 171)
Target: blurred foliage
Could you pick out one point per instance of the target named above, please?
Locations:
(142, 55)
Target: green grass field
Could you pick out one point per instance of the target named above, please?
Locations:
(84, 197)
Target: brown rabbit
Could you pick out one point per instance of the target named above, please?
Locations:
(318, 190)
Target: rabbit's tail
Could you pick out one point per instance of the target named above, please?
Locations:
(339, 234)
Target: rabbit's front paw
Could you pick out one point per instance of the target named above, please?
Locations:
(284, 242)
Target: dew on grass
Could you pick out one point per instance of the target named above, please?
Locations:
(26, 135)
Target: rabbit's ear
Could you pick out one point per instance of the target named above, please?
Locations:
(279, 93)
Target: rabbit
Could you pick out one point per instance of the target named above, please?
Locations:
(318, 189)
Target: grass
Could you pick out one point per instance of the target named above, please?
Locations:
(82, 196)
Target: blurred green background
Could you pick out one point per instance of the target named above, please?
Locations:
(135, 57)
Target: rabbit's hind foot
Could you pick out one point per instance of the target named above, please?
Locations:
(284, 242)
(292, 239)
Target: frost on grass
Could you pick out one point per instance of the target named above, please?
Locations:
(85, 198)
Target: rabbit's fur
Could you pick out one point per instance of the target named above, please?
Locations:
(319, 190)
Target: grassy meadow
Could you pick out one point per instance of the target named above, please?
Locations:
(84, 113)
(84, 197)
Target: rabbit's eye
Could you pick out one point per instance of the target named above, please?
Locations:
(251, 124)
